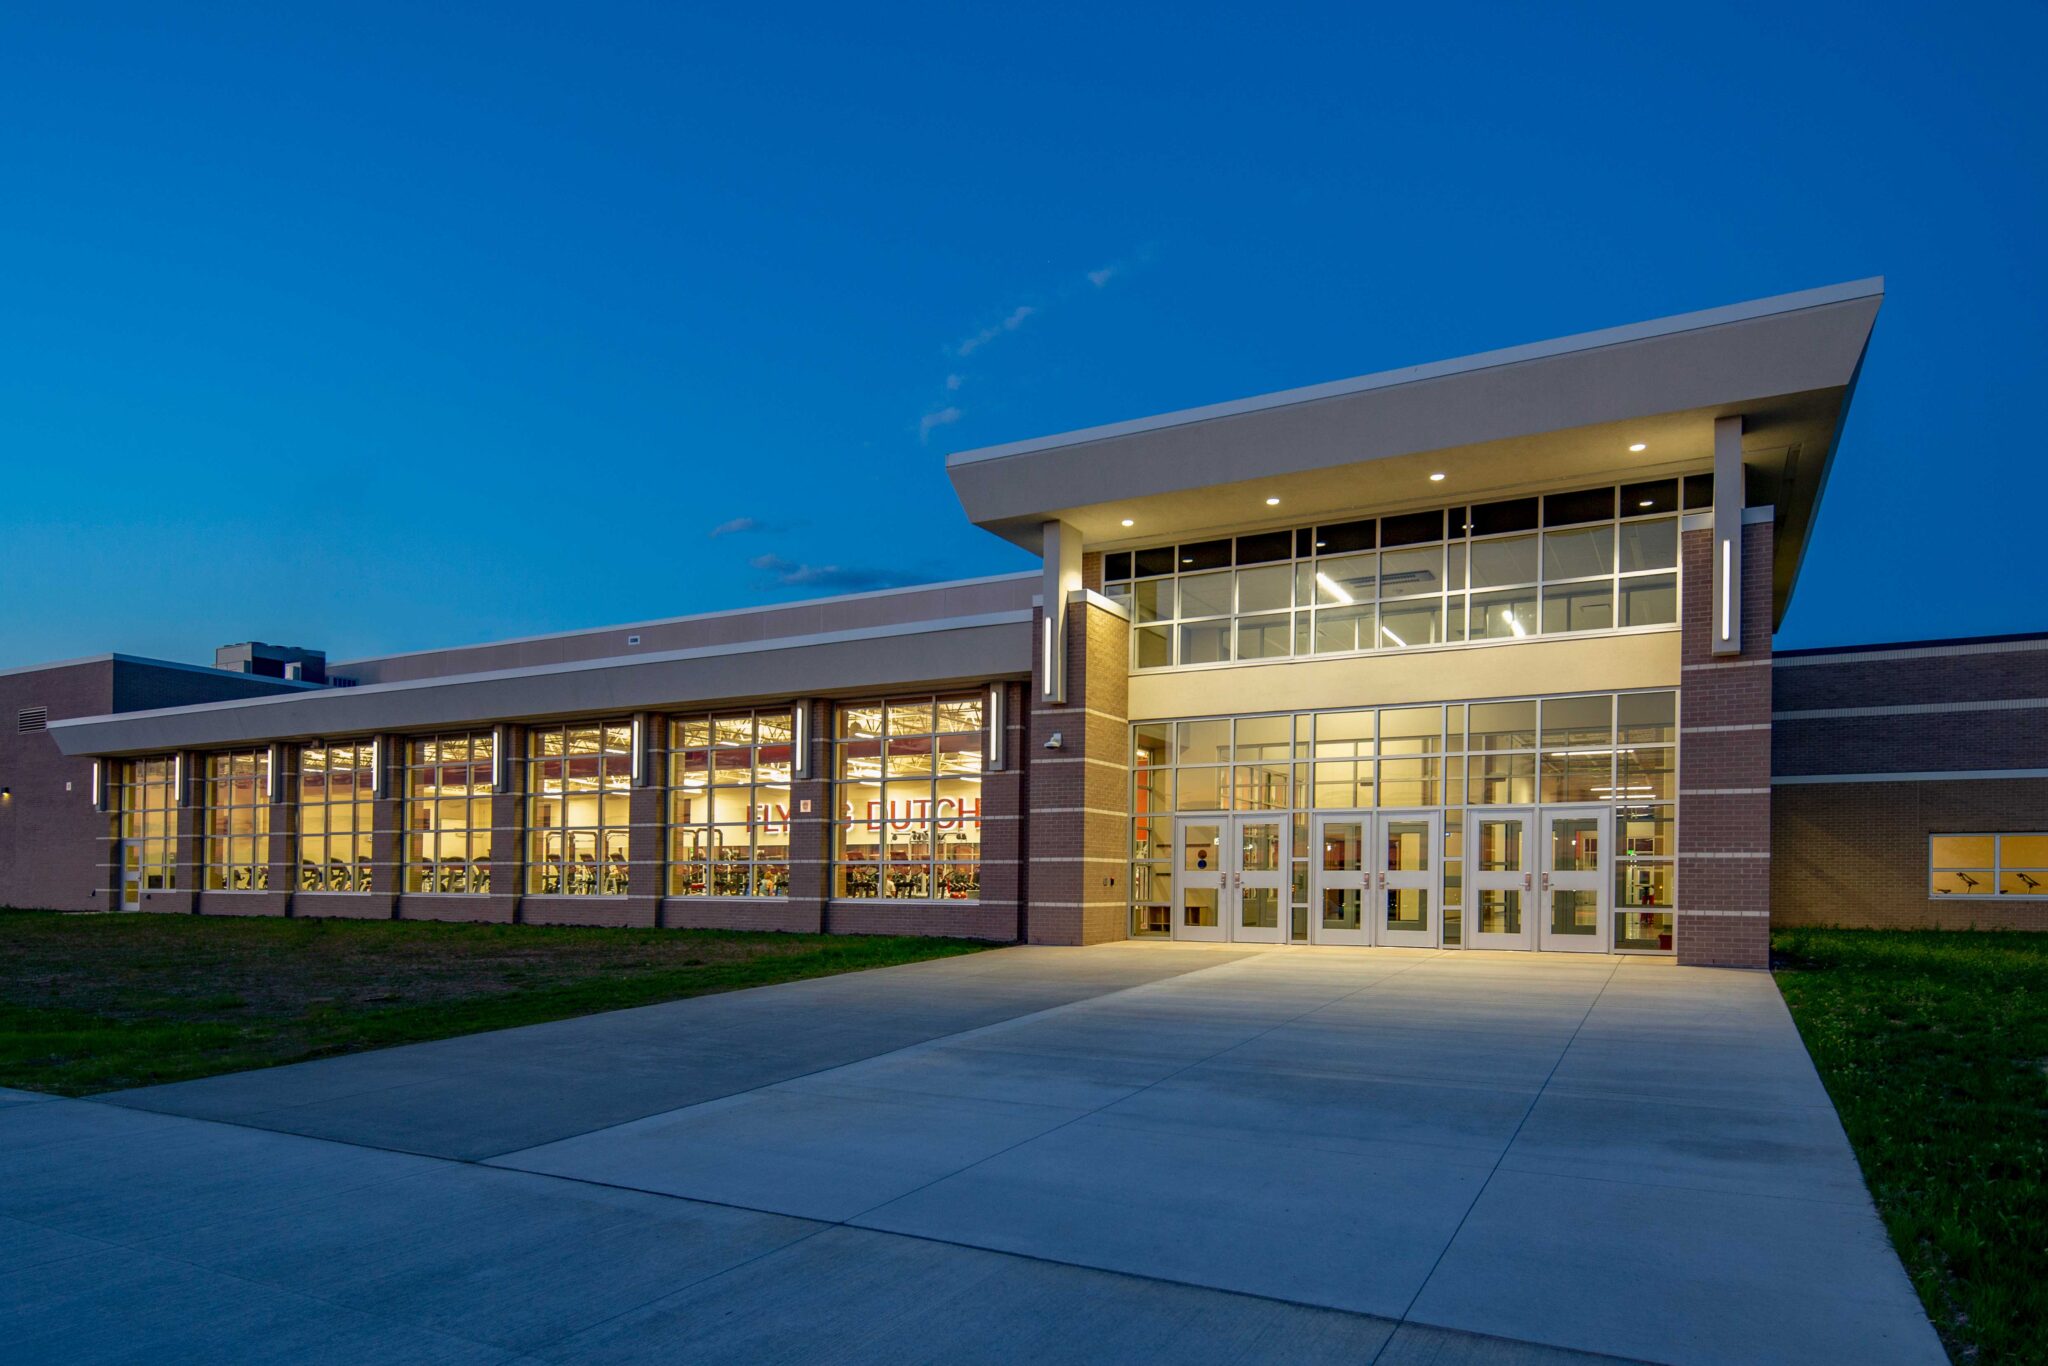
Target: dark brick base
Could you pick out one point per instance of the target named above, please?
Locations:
(614, 912)
(342, 906)
(739, 913)
(1723, 941)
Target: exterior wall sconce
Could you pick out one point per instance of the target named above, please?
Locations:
(1056, 741)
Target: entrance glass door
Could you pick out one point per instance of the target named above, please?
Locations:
(1200, 879)
(1500, 874)
(1340, 888)
(1406, 876)
(1572, 915)
(1231, 880)
(1259, 880)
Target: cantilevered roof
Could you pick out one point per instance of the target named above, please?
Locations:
(1548, 415)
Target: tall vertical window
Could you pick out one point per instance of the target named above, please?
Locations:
(238, 821)
(448, 813)
(146, 820)
(579, 780)
(728, 804)
(909, 795)
(336, 798)
(1645, 818)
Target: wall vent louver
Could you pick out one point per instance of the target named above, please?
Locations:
(32, 719)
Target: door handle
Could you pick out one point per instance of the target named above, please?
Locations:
(1528, 881)
(1546, 882)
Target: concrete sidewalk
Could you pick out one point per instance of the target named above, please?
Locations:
(1185, 1153)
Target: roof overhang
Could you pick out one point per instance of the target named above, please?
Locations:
(933, 654)
(1548, 415)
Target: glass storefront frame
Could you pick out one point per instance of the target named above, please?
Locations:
(1615, 748)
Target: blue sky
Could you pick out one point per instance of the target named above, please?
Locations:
(377, 328)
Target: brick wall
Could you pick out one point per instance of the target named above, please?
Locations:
(1724, 764)
(1076, 845)
(1856, 853)
(53, 849)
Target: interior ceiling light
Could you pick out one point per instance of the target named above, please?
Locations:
(1637, 449)
(1647, 502)
(1334, 589)
(1272, 502)
(1436, 479)
(1129, 522)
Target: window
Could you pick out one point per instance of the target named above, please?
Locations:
(336, 799)
(1595, 560)
(1987, 865)
(237, 822)
(728, 804)
(909, 795)
(579, 781)
(146, 821)
(448, 786)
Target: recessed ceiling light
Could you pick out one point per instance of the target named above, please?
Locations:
(1647, 502)
(1638, 448)
(1129, 522)
(1272, 502)
(1436, 479)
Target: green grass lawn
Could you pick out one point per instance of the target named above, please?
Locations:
(1935, 1049)
(100, 1002)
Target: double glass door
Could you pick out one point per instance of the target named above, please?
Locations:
(1537, 878)
(1231, 879)
(1375, 879)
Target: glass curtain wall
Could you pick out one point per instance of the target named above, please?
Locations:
(146, 819)
(1594, 560)
(909, 796)
(728, 804)
(448, 787)
(1616, 749)
(237, 825)
(336, 801)
(579, 781)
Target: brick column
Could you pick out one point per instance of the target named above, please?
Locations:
(1724, 764)
(810, 821)
(1003, 874)
(508, 828)
(284, 827)
(1077, 794)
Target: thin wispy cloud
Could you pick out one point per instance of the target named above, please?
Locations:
(848, 578)
(945, 411)
(932, 421)
(1019, 315)
(742, 526)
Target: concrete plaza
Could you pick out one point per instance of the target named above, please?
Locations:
(1137, 1151)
